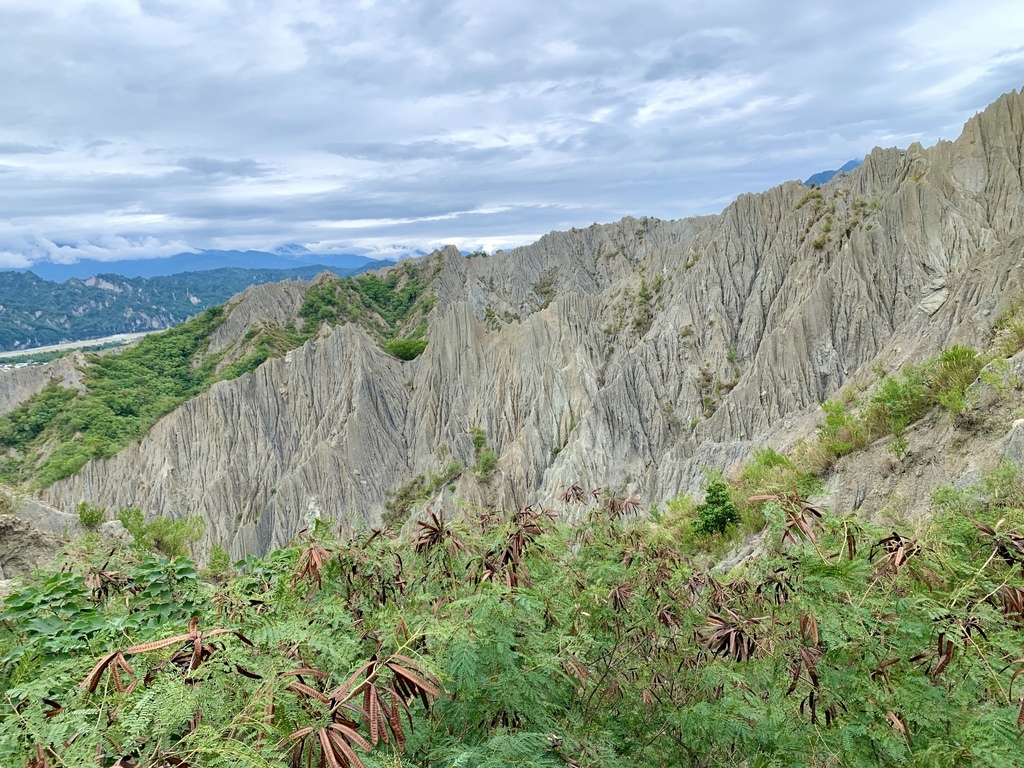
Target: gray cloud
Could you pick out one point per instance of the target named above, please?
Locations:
(432, 149)
(209, 166)
(20, 148)
(418, 121)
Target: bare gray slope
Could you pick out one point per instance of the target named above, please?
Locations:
(629, 355)
(19, 384)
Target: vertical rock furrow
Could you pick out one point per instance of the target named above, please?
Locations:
(575, 374)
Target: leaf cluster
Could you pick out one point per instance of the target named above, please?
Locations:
(516, 640)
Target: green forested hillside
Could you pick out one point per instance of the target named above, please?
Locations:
(36, 312)
(509, 640)
(53, 434)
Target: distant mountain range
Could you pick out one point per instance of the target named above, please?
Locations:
(288, 257)
(37, 312)
(823, 177)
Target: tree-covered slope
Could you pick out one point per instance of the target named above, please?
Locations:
(496, 640)
(36, 312)
(55, 432)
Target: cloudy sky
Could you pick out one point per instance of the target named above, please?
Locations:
(136, 128)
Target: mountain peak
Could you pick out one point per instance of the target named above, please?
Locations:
(823, 177)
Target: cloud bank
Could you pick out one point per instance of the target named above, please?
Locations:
(133, 128)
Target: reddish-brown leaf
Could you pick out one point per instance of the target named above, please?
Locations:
(349, 754)
(414, 679)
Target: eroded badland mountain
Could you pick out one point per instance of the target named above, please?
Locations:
(629, 356)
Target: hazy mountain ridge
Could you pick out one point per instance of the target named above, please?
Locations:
(36, 312)
(286, 257)
(629, 355)
(823, 177)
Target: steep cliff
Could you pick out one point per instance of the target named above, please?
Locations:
(629, 355)
(19, 384)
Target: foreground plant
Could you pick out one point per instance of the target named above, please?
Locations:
(526, 642)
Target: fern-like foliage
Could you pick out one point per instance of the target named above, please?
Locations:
(523, 642)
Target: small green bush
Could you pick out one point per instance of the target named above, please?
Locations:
(953, 372)
(841, 432)
(90, 517)
(718, 512)
(218, 566)
(405, 349)
(173, 538)
(486, 461)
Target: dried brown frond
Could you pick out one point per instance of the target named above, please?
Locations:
(801, 518)
(619, 506)
(194, 651)
(809, 629)
(40, 757)
(508, 562)
(103, 582)
(881, 672)
(435, 532)
(730, 635)
(327, 746)
(776, 586)
(1011, 602)
(1007, 545)
(701, 583)
(667, 617)
(382, 686)
(895, 551)
(576, 669)
(620, 596)
(311, 564)
(574, 494)
(943, 654)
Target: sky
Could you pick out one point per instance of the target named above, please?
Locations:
(145, 128)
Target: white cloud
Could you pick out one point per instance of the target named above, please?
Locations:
(135, 127)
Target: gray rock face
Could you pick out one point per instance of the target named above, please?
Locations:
(18, 385)
(629, 355)
(32, 534)
(24, 547)
(64, 525)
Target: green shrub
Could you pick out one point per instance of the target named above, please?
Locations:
(405, 349)
(544, 289)
(173, 538)
(841, 432)
(898, 402)
(219, 564)
(951, 374)
(486, 461)
(718, 512)
(90, 517)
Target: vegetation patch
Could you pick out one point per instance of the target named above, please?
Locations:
(171, 538)
(526, 642)
(897, 401)
(384, 306)
(421, 488)
(486, 457)
(544, 288)
(405, 349)
(53, 434)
